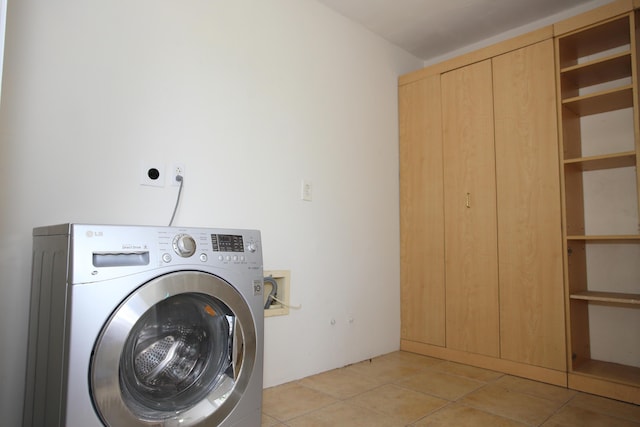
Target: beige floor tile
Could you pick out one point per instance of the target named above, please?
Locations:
(291, 400)
(384, 370)
(439, 384)
(467, 371)
(575, 416)
(401, 388)
(538, 389)
(511, 404)
(268, 421)
(339, 383)
(605, 406)
(456, 415)
(413, 359)
(552, 423)
(345, 415)
(406, 405)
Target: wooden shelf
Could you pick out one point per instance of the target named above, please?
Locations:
(596, 73)
(621, 238)
(591, 41)
(607, 297)
(606, 161)
(601, 102)
(623, 374)
(599, 71)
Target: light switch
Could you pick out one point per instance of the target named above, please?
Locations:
(307, 190)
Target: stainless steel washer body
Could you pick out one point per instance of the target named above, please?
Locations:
(135, 326)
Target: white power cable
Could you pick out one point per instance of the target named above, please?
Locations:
(295, 307)
(175, 209)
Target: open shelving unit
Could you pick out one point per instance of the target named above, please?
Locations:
(596, 66)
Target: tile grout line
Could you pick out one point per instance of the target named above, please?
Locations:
(559, 409)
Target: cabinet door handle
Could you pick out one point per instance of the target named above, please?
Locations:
(468, 203)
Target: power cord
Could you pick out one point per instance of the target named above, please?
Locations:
(180, 179)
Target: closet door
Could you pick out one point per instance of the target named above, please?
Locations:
(529, 228)
(421, 212)
(471, 267)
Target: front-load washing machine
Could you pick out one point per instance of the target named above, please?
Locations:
(145, 326)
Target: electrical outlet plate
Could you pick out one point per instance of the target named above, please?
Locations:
(152, 174)
(176, 169)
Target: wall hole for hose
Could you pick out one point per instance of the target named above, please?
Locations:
(276, 292)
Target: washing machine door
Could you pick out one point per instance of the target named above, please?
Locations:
(179, 351)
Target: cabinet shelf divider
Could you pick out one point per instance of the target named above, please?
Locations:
(601, 70)
(606, 161)
(607, 297)
(601, 102)
(612, 238)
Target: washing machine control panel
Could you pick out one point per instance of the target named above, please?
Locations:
(108, 251)
(227, 243)
(212, 247)
(184, 245)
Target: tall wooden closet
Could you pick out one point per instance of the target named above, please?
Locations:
(520, 205)
(480, 212)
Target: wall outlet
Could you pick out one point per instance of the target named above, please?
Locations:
(152, 174)
(176, 169)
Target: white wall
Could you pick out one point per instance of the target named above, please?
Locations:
(252, 97)
(611, 207)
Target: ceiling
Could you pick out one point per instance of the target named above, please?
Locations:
(431, 28)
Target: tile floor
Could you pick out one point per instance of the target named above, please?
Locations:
(405, 389)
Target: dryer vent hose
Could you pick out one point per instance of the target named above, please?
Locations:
(274, 291)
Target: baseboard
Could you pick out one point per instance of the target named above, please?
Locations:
(537, 373)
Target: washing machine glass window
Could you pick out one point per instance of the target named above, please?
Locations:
(173, 353)
(176, 353)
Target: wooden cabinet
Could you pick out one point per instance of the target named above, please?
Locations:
(471, 258)
(421, 214)
(528, 204)
(493, 186)
(519, 255)
(597, 57)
